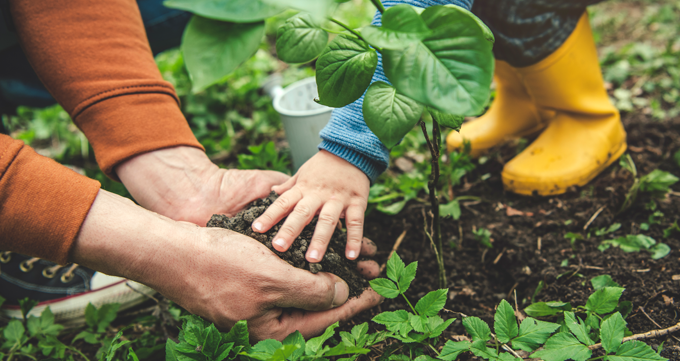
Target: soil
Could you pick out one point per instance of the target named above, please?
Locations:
(529, 244)
(334, 260)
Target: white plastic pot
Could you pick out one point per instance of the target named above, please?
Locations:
(302, 117)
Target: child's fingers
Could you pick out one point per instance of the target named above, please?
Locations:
(325, 226)
(301, 215)
(277, 211)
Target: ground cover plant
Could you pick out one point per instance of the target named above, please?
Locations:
(496, 246)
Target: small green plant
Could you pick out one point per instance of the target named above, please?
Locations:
(573, 237)
(611, 229)
(97, 321)
(483, 236)
(654, 218)
(657, 183)
(636, 243)
(264, 156)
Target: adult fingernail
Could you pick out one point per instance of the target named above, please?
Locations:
(280, 242)
(351, 254)
(257, 226)
(341, 294)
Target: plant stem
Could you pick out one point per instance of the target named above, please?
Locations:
(409, 303)
(378, 4)
(434, 146)
(347, 28)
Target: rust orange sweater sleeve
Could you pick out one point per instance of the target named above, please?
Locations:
(42, 203)
(95, 59)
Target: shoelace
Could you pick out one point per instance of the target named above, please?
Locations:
(48, 272)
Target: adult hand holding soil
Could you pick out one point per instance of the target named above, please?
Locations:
(183, 184)
(327, 186)
(217, 274)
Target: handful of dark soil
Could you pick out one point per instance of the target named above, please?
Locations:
(333, 261)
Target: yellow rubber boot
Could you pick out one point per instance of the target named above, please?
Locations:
(586, 134)
(512, 115)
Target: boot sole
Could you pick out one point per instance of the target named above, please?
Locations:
(514, 186)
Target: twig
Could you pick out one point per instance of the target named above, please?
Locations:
(506, 347)
(597, 213)
(498, 258)
(429, 236)
(142, 293)
(397, 243)
(642, 336)
(654, 322)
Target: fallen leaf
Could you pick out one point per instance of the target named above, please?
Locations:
(667, 300)
(510, 212)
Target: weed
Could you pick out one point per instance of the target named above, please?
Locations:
(483, 236)
(264, 156)
(636, 243)
(657, 183)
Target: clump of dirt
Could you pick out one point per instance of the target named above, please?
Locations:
(333, 261)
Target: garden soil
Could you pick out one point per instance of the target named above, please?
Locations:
(333, 261)
(529, 244)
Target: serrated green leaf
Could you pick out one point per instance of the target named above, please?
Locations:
(505, 322)
(223, 351)
(212, 341)
(480, 349)
(432, 303)
(296, 339)
(561, 347)
(577, 327)
(611, 332)
(384, 287)
(451, 69)
(408, 276)
(14, 331)
(213, 49)
(401, 26)
(635, 351)
(447, 120)
(397, 321)
(503, 356)
(419, 323)
(604, 300)
(344, 71)
(395, 267)
(452, 349)
(236, 11)
(543, 309)
(451, 209)
(314, 344)
(238, 335)
(533, 333)
(388, 114)
(300, 39)
(657, 181)
(342, 349)
(603, 281)
(438, 329)
(478, 329)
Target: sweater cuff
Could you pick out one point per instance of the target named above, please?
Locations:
(125, 126)
(356, 159)
(42, 203)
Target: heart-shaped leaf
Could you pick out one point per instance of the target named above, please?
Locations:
(344, 71)
(300, 39)
(388, 114)
(401, 26)
(236, 11)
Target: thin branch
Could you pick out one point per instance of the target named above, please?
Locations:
(394, 248)
(642, 336)
(347, 28)
(597, 213)
(378, 4)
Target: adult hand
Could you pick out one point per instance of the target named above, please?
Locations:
(326, 185)
(183, 184)
(218, 274)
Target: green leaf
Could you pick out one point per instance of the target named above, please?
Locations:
(629, 243)
(543, 309)
(344, 71)
(451, 69)
(593, 321)
(395, 268)
(480, 349)
(419, 323)
(296, 339)
(447, 120)
(478, 329)
(407, 276)
(26, 305)
(635, 351)
(451, 209)
(212, 341)
(604, 300)
(314, 344)
(388, 114)
(397, 321)
(437, 330)
(14, 331)
(660, 250)
(624, 308)
(577, 327)
(401, 26)
(223, 351)
(213, 49)
(342, 349)
(611, 332)
(318, 8)
(452, 349)
(657, 181)
(603, 281)
(238, 335)
(533, 334)
(360, 331)
(505, 322)
(132, 356)
(106, 314)
(432, 302)
(384, 287)
(236, 11)
(563, 346)
(300, 39)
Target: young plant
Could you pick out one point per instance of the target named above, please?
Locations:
(636, 243)
(657, 183)
(438, 61)
(264, 156)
